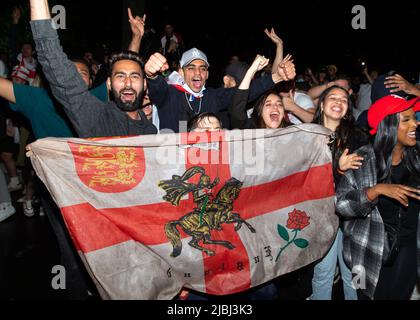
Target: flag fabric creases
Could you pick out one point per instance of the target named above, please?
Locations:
(216, 212)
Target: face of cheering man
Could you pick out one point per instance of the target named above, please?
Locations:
(195, 74)
(127, 85)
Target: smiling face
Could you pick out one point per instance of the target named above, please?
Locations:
(272, 111)
(127, 84)
(195, 74)
(407, 126)
(335, 105)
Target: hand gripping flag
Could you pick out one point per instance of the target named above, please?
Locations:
(216, 212)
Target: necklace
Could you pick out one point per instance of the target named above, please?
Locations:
(199, 106)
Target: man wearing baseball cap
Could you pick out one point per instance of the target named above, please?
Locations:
(189, 96)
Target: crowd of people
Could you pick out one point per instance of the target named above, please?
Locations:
(375, 152)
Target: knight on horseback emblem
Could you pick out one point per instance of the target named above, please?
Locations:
(210, 211)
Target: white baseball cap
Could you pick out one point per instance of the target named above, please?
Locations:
(191, 55)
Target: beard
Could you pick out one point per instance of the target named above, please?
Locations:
(128, 106)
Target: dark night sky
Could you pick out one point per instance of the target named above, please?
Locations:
(314, 32)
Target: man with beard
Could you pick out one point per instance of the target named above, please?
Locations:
(91, 117)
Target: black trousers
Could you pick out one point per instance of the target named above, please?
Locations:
(78, 281)
(397, 282)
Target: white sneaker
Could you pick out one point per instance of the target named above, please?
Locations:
(14, 186)
(21, 199)
(28, 210)
(6, 210)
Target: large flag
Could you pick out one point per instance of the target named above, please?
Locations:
(216, 212)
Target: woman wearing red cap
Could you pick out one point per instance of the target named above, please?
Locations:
(381, 203)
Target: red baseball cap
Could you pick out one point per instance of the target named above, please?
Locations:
(389, 105)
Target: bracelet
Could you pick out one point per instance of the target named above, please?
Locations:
(151, 78)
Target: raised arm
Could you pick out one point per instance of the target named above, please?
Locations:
(237, 110)
(368, 77)
(260, 62)
(305, 115)
(157, 86)
(39, 10)
(279, 48)
(398, 83)
(137, 29)
(315, 92)
(66, 84)
(285, 72)
(313, 78)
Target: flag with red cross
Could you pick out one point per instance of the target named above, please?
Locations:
(216, 212)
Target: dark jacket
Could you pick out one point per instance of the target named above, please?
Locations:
(173, 104)
(89, 116)
(237, 111)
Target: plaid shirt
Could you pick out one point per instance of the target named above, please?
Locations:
(363, 228)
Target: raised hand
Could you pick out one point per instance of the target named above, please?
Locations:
(286, 69)
(136, 24)
(273, 36)
(173, 46)
(156, 63)
(349, 161)
(260, 62)
(398, 83)
(288, 101)
(365, 71)
(16, 14)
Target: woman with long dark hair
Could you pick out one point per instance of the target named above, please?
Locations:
(268, 110)
(381, 204)
(335, 113)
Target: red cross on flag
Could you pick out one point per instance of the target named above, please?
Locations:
(216, 212)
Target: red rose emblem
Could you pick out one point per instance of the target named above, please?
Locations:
(298, 220)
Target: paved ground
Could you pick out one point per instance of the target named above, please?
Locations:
(28, 252)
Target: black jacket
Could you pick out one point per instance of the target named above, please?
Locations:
(173, 105)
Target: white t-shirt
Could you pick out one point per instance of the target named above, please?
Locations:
(305, 102)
